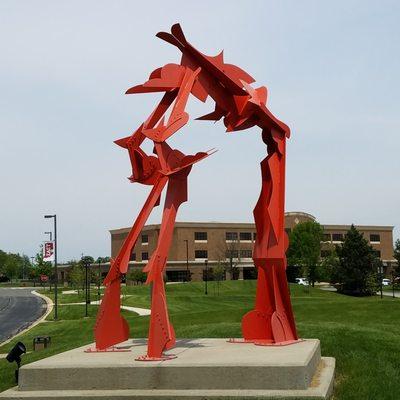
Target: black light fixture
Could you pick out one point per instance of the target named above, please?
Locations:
(15, 355)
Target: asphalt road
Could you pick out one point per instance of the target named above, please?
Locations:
(19, 308)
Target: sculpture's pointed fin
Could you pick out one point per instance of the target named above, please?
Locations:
(167, 37)
(216, 115)
(123, 142)
(177, 31)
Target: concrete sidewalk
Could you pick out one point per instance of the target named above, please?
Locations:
(141, 311)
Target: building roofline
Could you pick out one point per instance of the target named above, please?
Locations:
(300, 213)
(360, 227)
(193, 224)
(251, 225)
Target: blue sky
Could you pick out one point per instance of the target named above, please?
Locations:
(331, 68)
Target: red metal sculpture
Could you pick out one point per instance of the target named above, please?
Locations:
(241, 106)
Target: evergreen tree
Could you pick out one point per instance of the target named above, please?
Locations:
(358, 264)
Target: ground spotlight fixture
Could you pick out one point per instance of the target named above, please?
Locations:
(15, 355)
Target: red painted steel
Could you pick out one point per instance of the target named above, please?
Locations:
(241, 106)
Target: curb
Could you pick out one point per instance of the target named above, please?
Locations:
(49, 304)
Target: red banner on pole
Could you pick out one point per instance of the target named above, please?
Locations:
(48, 251)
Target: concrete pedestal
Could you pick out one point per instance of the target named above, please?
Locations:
(203, 369)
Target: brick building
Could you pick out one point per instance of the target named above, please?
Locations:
(200, 246)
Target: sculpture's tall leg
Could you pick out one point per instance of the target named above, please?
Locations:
(161, 332)
(111, 328)
(271, 321)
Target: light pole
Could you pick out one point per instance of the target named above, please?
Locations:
(98, 286)
(55, 265)
(86, 265)
(49, 233)
(206, 289)
(187, 260)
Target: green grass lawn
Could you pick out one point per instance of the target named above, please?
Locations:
(361, 333)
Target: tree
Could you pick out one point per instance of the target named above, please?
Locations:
(26, 266)
(329, 267)
(3, 260)
(103, 260)
(12, 266)
(76, 275)
(396, 254)
(358, 263)
(87, 259)
(137, 275)
(227, 256)
(305, 248)
(219, 275)
(42, 267)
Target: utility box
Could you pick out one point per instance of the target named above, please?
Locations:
(41, 342)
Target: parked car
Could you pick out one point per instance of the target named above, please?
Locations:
(302, 281)
(386, 282)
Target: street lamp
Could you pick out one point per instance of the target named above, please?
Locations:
(86, 265)
(206, 264)
(99, 281)
(55, 265)
(187, 260)
(49, 233)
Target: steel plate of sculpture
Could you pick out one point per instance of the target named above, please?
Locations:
(241, 106)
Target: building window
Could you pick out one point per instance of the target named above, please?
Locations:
(375, 237)
(326, 237)
(200, 236)
(178, 276)
(245, 236)
(145, 256)
(232, 254)
(133, 257)
(325, 253)
(246, 253)
(200, 254)
(249, 273)
(145, 239)
(337, 237)
(377, 253)
(254, 236)
(230, 236)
